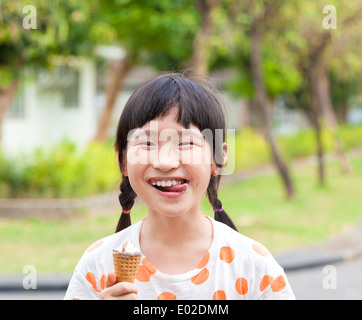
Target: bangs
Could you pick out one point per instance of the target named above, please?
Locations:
(195, 103)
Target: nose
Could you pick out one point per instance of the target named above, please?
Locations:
(166, 159)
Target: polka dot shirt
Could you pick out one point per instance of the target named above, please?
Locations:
(235, 267)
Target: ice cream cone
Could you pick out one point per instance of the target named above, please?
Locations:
(126, 266)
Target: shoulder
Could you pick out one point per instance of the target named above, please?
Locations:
(265, 278)
(245, 249)
(96, 262)
(99, 254)
(225, 234)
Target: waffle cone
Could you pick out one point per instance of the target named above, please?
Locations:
(126, 266)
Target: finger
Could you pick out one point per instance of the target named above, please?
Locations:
(131, 296)
(111, 279)
(122, 290)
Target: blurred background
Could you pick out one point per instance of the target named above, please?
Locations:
(290, 74)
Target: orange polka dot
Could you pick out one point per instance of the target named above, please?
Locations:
(260, 249)
(227, 254)
(95, 246)
(241, 286)
(90, 277)
(267, 280)
(149, 265)
(102, 282)
(143, 274)
(200, 277)
(145, 271)
(219, 295)
(278, 284)
(166, 296)
(204, 261)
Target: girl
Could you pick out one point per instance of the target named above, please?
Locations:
(167, 160)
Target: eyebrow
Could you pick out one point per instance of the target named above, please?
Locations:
(181, 133)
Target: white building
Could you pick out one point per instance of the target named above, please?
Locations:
(64, 104)
(57, 105)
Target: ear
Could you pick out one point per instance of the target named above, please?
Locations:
(215, 170)
(224, 153)
(124, 168)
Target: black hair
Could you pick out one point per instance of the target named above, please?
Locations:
(197, 102)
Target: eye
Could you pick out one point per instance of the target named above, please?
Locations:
(188, 143)
(146, 143)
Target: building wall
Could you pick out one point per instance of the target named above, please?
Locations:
(46, 121)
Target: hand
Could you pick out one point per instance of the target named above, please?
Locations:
(118, 291)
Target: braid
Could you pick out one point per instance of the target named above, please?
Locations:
(126, 199)
(219, 213)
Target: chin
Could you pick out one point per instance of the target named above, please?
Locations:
(169, 212)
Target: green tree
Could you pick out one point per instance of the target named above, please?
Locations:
(202, 46)
(30, 37)
(345, 68)
(258, 23)
(318, 48)
(144, 29)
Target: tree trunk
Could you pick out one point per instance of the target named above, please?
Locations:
(201, 50)
(245, 116)
(116, 73)
(320, 153)
(6, 99)
(344, 113)
(329, 113)
(314, 120)
(261, 100)
(320, 87)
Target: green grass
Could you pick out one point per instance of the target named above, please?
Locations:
(257, 206)
(315, 214)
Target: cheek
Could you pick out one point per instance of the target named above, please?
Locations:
(137, 156)
(200, 176)
(199, 164)
(135, 174)
(135, 170)
(196, 156)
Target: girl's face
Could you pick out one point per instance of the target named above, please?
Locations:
(168, 166)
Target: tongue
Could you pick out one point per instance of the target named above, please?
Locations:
(176, 188)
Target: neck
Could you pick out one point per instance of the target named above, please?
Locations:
(176, 230)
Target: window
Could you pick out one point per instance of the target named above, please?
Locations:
(17, 110)
(70, 90)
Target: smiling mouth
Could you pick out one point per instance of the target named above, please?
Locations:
(169, 185)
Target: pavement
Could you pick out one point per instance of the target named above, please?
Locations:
(339, 281)
(301, 265)
(342, 248)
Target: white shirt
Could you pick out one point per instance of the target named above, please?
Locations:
(235, 267)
